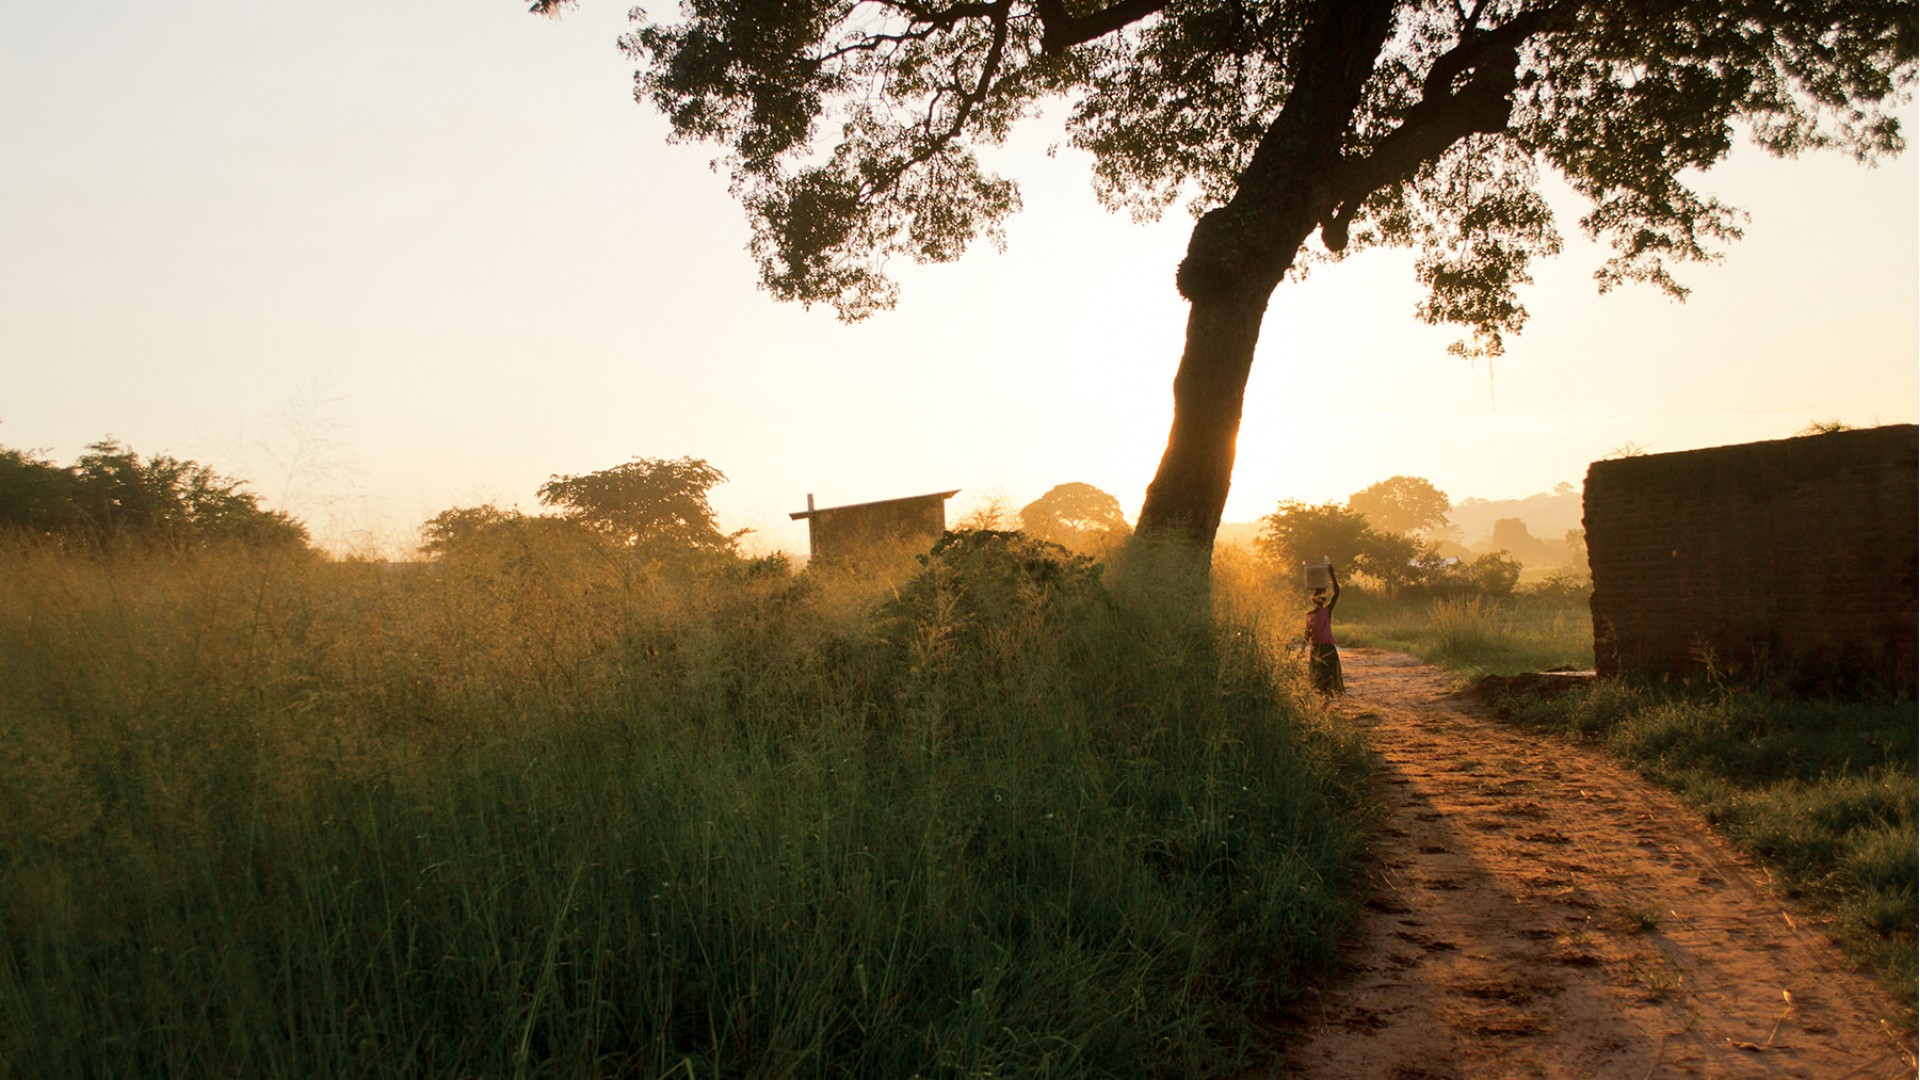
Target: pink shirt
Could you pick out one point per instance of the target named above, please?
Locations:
(1320, 626)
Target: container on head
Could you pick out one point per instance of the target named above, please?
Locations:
(1318, 575)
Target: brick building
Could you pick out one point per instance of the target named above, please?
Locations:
(1793, 558)
(858, 530)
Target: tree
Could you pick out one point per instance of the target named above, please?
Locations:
(850, 131)
(654, 506)
(465, 530)
(1395, 559)
(1402, 504)
(1494, 574)
(486, 535)
(1076, 516)
(1576, 541)
(1297, 532)
(36, 495)
(1512, 536)
(111, 494)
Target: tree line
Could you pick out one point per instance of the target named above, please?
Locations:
(112, 495)
(1395, 534)
(658, 511)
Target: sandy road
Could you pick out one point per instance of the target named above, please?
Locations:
(1540, 911)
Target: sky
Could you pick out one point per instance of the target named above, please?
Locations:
(381, 260)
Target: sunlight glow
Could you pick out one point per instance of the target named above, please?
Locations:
(383, 265)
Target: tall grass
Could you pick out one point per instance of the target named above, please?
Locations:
(1476, 635)
(552, 813)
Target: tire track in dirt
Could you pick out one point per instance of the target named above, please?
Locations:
(1540, 911)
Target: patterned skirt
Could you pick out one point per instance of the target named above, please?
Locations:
(1323, 665)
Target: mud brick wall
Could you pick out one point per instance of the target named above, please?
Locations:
(1789, 559)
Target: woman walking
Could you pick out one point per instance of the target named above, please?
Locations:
(1323, 658)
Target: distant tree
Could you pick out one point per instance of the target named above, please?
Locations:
(1076, 516)
(1824, 427)
(1396, 560)
(1297, 532)
(1512, 536)
(851, 133)
(989, 513)
(1494, 574)
(36, 495)
(488, 532)
(111, 495)
(1402, 504)
(168, 498)
(465, 529)
(652, 506)
(1576, 541)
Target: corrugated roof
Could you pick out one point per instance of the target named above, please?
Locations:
(801, 515)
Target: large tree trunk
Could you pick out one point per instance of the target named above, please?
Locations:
(1240, 252)
(1189, 493)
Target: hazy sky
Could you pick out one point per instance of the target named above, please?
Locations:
(384, 259)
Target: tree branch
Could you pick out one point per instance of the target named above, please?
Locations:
(1001, 12)
(1444, 115)
(946, 18)
(874, 42)
(1060, 31)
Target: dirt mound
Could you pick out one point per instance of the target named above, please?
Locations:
(1491, 688)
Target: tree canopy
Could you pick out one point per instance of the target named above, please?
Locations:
(651, 505)
(1402, 504)
(1298, 532)
(111, 494)
(1076, 516)
(851, 130)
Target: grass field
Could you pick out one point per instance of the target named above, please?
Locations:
(551, 813)
(1475, 635)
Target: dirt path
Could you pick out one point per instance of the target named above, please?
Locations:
(1540, 911)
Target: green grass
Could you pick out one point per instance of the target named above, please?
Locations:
(549, 813)
(1824, 791)
(1474, 636)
